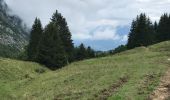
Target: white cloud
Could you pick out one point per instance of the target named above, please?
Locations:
(84, 16)
(124, 38)
(102, 32)
(80, 36)
(106, 34)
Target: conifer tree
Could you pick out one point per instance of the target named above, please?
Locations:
(155, 28)
(90, 52)
(142, 32)
(81, 53)
(64, 33)
(51, 50)
(35, 37)
(131, 37)
(163, 28)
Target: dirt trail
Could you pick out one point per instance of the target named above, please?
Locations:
(163, 90)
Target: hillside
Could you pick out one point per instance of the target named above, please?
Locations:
(130, 75)
(13, 34)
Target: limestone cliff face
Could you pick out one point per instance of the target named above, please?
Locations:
(13, 34)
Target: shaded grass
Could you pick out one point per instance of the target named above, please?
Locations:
(84, 79)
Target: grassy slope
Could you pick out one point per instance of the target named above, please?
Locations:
(89, 79)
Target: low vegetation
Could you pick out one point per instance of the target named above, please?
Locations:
(129, 72)
(130, 75)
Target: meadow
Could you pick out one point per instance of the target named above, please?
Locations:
(130, 75)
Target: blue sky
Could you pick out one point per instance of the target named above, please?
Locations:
(106, 44)
(102, 24)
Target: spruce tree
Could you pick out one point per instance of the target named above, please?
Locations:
(90, 52)
(131, 37)
(163, 28)
(81, 53)
(142, 32)
(64, 33)
(51, 50)
(155, 27)
(35, 37)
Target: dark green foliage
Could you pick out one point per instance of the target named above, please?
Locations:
(132, 35)
(90, 52)
(163, 31)
(102, 53)
(75, 53)
(51, 51)
(35, 37)
(81, 52)
(141, 33)
(64, 33)
(54, 47)
(155, 26)
(119, 49)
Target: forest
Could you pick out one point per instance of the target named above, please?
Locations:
(53, 46)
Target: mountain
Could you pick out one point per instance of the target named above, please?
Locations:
(13, 33)
(130, 75)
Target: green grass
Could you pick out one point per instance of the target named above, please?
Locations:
(142, 67)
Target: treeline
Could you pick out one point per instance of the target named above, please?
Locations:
(118, 49)
(81, 52)
(53, 46)
(143, 32)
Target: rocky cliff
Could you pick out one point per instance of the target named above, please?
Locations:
(13, 33)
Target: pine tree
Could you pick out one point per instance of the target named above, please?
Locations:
(35, 37)
(155, 27)
(51, 50)
(90, 52)
(150, 36)
(81, 53)
(163, 28)
(131, 37)
(64, 33)
(142, 32)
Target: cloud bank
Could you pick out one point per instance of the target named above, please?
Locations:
(91, 20)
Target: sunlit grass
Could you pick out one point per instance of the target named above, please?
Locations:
(85, 79)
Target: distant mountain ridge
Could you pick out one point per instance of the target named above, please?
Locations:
(13, 34)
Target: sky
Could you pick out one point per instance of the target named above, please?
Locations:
(101, 24)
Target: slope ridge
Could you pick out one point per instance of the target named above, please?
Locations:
(85, 79)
